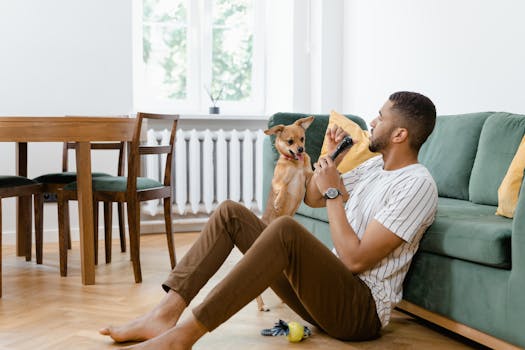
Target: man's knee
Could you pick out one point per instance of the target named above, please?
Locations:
(287, 232)
(228, 205)
(287, 226)
(230, 209)
(284, 221)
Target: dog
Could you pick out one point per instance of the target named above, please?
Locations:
(292, 171)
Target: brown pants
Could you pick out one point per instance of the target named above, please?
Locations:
(302, 271)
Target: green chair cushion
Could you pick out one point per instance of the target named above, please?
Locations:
(314, 134)
(471, 232)
(498, 142)
(450, 151)
(117, 184)
(13, 181)
(62, 178)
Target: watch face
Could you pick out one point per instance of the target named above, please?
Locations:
(332, 193)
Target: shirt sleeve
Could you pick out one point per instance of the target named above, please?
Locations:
(409, 206)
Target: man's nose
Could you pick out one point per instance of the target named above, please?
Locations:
(300, 149)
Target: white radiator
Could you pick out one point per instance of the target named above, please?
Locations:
(210, 166)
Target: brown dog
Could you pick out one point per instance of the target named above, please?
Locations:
(291, 172)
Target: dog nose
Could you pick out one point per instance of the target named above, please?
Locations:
(300, 149)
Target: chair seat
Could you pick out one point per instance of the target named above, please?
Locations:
(62, 178)
(12, 181)
(117, 184)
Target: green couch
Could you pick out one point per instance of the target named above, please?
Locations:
(469, 273)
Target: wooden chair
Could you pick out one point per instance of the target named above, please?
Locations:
(131, 190)
(18, 186)
(53, 182)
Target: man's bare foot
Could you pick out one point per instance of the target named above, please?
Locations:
(163, 317)
(181, 337)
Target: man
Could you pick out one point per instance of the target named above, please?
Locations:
(349, 294)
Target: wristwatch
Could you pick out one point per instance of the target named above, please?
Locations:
(331, 193)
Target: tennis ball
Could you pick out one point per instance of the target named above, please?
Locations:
(296, 332)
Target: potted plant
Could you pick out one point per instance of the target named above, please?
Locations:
(214, 98)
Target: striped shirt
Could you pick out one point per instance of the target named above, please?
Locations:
(404, 201)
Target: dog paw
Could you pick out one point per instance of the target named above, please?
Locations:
(264, 308)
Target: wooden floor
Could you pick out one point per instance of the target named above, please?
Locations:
(41, 310)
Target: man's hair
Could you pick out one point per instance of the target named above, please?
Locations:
(418, 115)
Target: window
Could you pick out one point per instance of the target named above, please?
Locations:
(194, 51)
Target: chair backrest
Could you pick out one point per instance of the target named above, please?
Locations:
(137, 150)
(117, 146)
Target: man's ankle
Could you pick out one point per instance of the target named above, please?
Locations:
(171, 306)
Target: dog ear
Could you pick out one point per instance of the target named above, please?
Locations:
(274, 129)
(304, 122)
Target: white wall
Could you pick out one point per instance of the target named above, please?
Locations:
(62, 57)
(304, 47)
(467, 56)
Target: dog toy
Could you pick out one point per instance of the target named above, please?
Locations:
(347, 142)
(295, 332)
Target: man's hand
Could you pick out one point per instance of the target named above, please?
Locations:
(326, 174)
(333, 137)
(318, 183)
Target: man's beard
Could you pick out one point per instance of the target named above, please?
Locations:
(376, 145)
(380, 143)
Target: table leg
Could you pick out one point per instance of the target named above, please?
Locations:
(85, 212)
(23, 205)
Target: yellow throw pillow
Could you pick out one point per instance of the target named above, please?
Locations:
(509, 189)
(359, 151)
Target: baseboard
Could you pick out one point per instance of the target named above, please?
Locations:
(456, 327)
(179, 225)
(146, 227)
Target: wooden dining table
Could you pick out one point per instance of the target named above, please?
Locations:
(81, 130)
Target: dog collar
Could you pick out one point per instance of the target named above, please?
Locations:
(287, 157)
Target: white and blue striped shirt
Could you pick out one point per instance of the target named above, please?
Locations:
(402, 200)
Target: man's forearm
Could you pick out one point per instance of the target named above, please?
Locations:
(343, 236)
(313, 197)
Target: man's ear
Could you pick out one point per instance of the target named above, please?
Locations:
(399, 135)
(304, 122)
(274, 129)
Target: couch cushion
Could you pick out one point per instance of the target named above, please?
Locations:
(471, 232)
(359, 152)
(498, 142)
(509, 190)
(315, 213)
(314, 134)
(450, 151)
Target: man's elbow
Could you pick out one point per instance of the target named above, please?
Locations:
(356, 267)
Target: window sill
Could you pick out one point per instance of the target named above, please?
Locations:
(216, 121)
